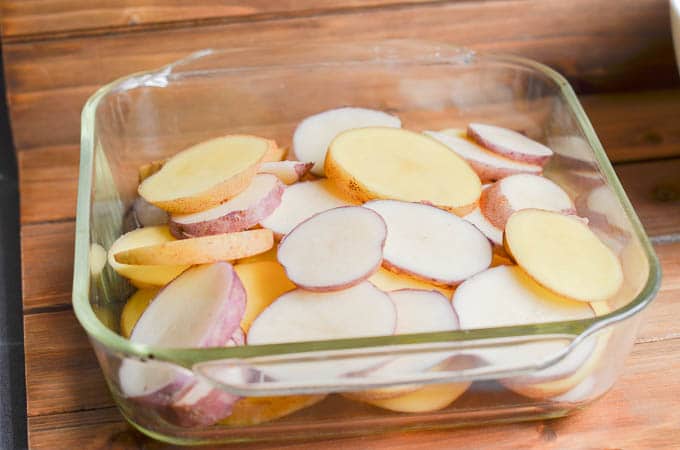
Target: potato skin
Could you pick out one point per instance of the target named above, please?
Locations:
(233, 221)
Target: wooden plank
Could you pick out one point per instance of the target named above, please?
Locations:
(638, 412)
(632, 48)
(47, 261)
(654, 189)
(62, 373)
(22, 19)
(48, 183)
(635, 126)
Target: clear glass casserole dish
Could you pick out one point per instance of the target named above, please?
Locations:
(504, 374)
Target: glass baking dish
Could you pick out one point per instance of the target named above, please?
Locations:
(507, 374)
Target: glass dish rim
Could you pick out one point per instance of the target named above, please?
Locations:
(186, 357)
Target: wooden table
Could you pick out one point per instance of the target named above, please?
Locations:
(617, 53)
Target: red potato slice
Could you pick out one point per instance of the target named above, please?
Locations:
(200, 250)
(288, 172)
(300, 202)
(314, 134)
(200, 308)
(206, 174)
(509, 143)
(431, 244)
(334, 249)
(561, 253)
(492, 232)
(418, 311)
(572, 152)
(478, 300)
(144, 275)
(602, 206)
(518, 192)
(388, 163)
(244, 211)
(489, 166)
(360, 311)
(144, 214)
(522, 301)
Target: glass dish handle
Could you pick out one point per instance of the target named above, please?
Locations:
(380, 367)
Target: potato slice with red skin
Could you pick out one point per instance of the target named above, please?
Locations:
(288, 172)
(509, 143)
(561, 253)
(334, 249)
(519, 192)
(244, 211)
(210, 319)
(392, 163)
(489, 166)
(418, 311)
(206, 174)
(299, 315)
(301, 201)
(200, 250)
(427, 243)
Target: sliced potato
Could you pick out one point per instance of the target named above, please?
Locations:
(145, 275)
(269, 255)
(148, 169)
(561, 253)
(264, 282)
(275, 153)
(428, 398)
(200, 250)
(387, 280)
(134, 308)
(392, 163)
(256, 410)
(206, 174)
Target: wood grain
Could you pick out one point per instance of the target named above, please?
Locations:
(631, 49)
(22, 19)
(47, 256)
(641, 405)
(632, 127)
(62, 373)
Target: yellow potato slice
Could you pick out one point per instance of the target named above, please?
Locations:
(387, 280)
(134, 308)
(255, 410)
(392, 163)
(269, 255)
(264, 282)
(148, 169)
(275, 153)
(206, 174)
(200, 250)
(146, 275)
(432, 397)
(561, 253)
